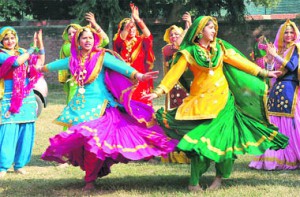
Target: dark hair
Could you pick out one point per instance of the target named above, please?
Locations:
(197, 39)
(123, 26)
(84, 30)
(69, 28)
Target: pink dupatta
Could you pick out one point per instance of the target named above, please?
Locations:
(20, 91)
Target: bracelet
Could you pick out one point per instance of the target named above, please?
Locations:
(42, 51)
(30, 50)
(99, 30)
(141, 24)
(183, 33)
(158, 91)
(279, 59)
(263, 73)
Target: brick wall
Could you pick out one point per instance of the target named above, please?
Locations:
(241, 36)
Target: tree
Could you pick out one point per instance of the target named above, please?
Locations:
(51, 9)
(114, 10)
(13, 9)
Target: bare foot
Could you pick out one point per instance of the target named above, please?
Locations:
(2, 174)
(195, 188)
(20, 171)
(216, 184)
(89, 186)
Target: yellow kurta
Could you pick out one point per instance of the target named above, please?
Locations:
(209, 92)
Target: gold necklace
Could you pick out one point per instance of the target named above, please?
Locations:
(205, 54)
(80, 75)
(129, 46)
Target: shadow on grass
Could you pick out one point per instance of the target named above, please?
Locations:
(135, 184)
(37, 161)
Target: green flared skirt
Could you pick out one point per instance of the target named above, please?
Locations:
(229, 134)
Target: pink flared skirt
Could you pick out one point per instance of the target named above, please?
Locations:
(115, 137)
(283, 159)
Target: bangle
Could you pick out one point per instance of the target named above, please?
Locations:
(42, 51)
(99, 30)
(158, 91)
(263, 73)
(182, 34)
(279, 59)
(30, 50)
(141, 24)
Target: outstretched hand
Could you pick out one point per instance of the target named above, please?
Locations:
(271, 49)
(150, 75)
(149, 97)
(274, 74)
(147, 76)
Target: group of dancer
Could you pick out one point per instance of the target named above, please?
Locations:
(217, 101)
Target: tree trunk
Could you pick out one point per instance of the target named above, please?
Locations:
(174, 15)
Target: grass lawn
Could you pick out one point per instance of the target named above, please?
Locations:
(135, 178)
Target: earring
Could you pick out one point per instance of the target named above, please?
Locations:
(200, 36)
(79, 47)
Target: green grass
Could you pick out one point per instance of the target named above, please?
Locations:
(135, 178)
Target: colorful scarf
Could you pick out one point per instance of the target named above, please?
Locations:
(149, 53)
(286, 51)
(67, 44)
(167, 32)
(91, 62)
(20, 91)
(279, 41)
(250, 92)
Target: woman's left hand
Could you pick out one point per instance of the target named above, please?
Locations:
(147, 75)
(271, 50)
(274, 74)
(90, 17)
(35, 39)
(188, 19)
(135, 12)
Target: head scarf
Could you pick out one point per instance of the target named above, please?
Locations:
(65, 48)
(279, 42)
(65, 35)
(190, 46)
(168, 31)
(7, 30)
(121, 26)
(75, 60)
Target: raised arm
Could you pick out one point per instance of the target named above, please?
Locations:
(188, 22)
(90, 17)
(170, 79)
(61, 64)
(233, 58)
(25, 56)
(140, 23)
(40, 45)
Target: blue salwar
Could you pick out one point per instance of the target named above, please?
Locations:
(16, 142)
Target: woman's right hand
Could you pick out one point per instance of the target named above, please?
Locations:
(90, 17)
(188, 19)
(35, 39)
(129, 25)
(149, 97)
(271, 50)
(135, 12)
(40, 39)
